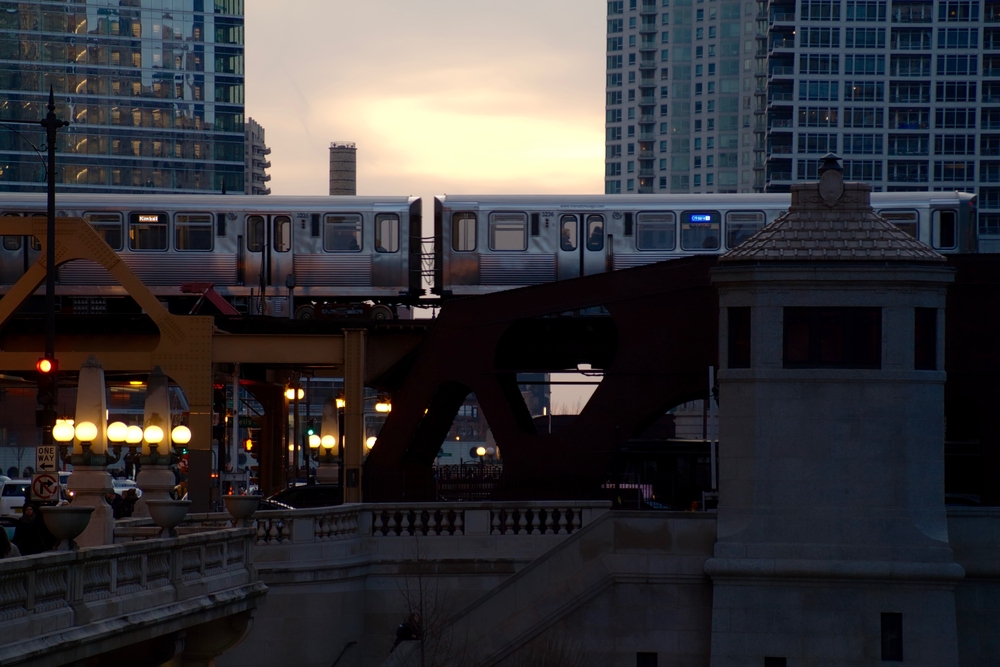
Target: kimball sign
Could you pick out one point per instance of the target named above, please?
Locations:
(45, 458)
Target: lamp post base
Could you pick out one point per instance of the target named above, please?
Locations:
(328, 473)
(156, 482)
(89, 484)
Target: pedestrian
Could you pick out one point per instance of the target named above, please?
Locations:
(28, 472)
(129, 499)
(12, 472)
(117, 505)
(30, 535)
(7, 549)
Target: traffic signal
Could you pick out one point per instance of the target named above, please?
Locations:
(310, 428)
(249, 444)
(48, 370)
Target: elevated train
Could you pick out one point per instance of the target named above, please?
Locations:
(309, 255)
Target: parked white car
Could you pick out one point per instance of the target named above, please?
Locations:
(12, 496)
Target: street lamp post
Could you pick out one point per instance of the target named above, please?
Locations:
(51, 124)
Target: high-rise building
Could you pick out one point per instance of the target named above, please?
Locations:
(153, 90)
(343, 168)
(256, 179)
(680, 80)
(908, 92)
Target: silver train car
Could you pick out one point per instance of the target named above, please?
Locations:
(484, 243)
(257, 251)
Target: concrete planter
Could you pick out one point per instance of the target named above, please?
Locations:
(66, 522)
(241, 508)
(168, 513)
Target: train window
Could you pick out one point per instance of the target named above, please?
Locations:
(700, 230)
(282, 232)
(147, 231)
(255, 233)
(905, 220)
(342, 232)
(741, 225)
(193, 231)
(314, 226)
(220, 224)
(386, 232)
(655, 231)
(508, 231)
(463, 232)
(567, 232)
(11, 242)
(944, 235)
(628, 224)
(108, 226)
(534, 224)
(595, 232)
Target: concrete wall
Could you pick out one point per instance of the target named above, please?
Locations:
(975, 539)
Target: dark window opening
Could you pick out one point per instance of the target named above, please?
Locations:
(628, 224)
(220, 224)
(645, 659)
(739, 337)
(925, 339)
(314, 230)
(534, 224)
(775, 662)
(833, 338)
(945, 231)
(892, 637)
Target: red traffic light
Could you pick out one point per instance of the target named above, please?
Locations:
(47, 366)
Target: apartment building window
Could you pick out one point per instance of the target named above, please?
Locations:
(863, 170)
(991, 91)
(958, 38)
(957, 65)
(989, 119)
(819, 90)
(908, 144)
(955, 144)
(865, 38)
(955, 119)
(863, 117)
(614, 62)
(820, 63)
(614, 115)
(989, 144)
(808, 170)
(910, 66)
(863, 144)
(909, 119)
(956, 91)
(613, 188)
(909, 93)
(615, 44)
(820, 10)
(820, 38)
(915, 13)
(818, 117)
(989, 172)
(614, 151)
(864, 91)
(958, 11)
(865, 10)
(907, 171)
(865, 64)
(991, 65)
(614, 97)
(614, 134)
(615, 25)
(947, 172)
(614, 80)
(613, 169)
(817, 143)
(991, 38)
(911, 39)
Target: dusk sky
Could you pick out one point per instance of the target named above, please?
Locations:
(439, 95)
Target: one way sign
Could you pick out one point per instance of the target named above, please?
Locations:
(45, 458)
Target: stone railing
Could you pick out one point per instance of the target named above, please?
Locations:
(358, 521)
(81, 597)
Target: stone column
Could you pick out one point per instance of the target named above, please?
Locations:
(155, 479)
(354, 412)
(90, 479)
(329, 469)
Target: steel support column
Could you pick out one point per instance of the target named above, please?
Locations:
(354, 412)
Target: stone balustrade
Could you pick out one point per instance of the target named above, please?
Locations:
(60, 607)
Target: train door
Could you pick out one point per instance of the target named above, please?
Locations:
(387, 260)
(581, 245)
(268, 240)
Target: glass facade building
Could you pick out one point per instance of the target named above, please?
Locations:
(153, 89)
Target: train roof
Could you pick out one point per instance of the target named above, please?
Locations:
(206, 202)
(638, 202)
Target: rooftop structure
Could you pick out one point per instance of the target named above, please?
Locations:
(343, 168)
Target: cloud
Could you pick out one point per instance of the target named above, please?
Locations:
(439, 95)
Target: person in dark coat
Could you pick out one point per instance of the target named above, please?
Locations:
(129, 499)
(116, 502)
(7, 550)
(30, 535)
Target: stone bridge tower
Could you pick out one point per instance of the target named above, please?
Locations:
(832, 536)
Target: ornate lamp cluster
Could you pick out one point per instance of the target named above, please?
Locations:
(119, 435)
